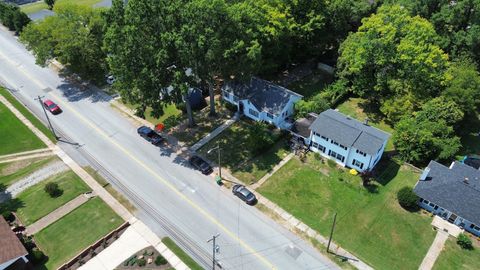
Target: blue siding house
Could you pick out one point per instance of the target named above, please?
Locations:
(452, 193)
(336, 136)
(261, 100)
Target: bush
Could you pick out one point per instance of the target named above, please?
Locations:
(317, 156)
(331, 163)
(53, 190)
(464, 241)
(160, 260)
(37, 256)
(12, 17)
(8, 216)
(141, 262)
(407, 198)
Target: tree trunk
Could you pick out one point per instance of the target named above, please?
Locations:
(191, 121)
(211, 93)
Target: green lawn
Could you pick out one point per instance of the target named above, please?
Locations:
(454, 257)
(15, 136)
(239, 158)
(63, 239)
(358, 109)
(370, 223)
(170, 118)
(181, 254)
(39, 5)
(312, 84)
(33, 119)
(34, 203)
(13, 171)
(204, 125)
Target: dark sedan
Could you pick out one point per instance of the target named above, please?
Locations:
(201, 165)
(244, 194)
(150, 135)
(51, 106)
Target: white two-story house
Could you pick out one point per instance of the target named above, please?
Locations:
(349, 142)
(261, 100)
(452, 193)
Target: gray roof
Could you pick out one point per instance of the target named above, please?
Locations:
(456, 189)
(264, 95)
(349, 132)
(302, 125)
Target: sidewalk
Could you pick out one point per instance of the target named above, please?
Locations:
(135, 238)
(212, 134)
(276, 168)
(434, 250)
(25, 155)
(57, 214)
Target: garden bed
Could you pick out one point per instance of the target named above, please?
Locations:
(147, 258)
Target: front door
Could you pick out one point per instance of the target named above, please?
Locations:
(452, 218)
(240, 107)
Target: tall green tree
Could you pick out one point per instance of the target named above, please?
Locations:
(74, 36)
(50, 3)
(394, 60)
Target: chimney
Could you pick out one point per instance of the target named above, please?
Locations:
(466, 180)
(365, 122)
(424, 175)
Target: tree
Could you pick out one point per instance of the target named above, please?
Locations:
(12, 17)
(316, 104)
(407, 198)
(464, 86)
(464, 241)
(73, 36)
(160, 260)
(440, 109)
(53, 189)
(49, 3)
(393, 55)
(419, 141)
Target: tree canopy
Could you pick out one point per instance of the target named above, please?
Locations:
(74, 35)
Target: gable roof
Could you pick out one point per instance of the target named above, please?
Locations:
(264, 95)
(456, 189)
(349, 132)
(10, 246)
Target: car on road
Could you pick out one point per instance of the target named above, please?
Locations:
(150, 135)
(51, 106)
(201, 165)
(244, 194)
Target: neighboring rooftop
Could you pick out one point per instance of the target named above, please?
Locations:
(10, 246)
(349, 132)
(264, 95)
(456, 189)
(302, 125)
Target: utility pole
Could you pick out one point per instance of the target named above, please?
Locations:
(39, 98)
(214, 250)
(219, 161)
(331, 232)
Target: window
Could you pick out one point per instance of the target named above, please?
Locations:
(361, 153)
(336, 155)
(421, 199)
(325, 138)
(476, 228)
(235, 98)
(269, 115)
(436, 207)
(431, 204)
(425, 201)
(357, 163)
(344, 147)
(314, 144)
(334, 142)
(253, 112)
(226, 95)
(321, 148)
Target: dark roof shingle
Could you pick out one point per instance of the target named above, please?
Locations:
(264, 95)
(456, 189)
(349, 132)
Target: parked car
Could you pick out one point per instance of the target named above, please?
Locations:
(150, 135)
(244, 194)
(201, 165)
(51, 106)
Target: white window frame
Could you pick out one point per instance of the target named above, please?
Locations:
(253, 112)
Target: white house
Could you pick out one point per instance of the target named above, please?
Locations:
(453, 193)
(13, 254)
(261, 100)
(336, 136)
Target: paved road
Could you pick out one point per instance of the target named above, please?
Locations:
(186, 205)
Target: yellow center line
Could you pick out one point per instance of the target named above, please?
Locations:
(151, 171)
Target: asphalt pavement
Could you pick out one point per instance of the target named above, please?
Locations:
(171, 196)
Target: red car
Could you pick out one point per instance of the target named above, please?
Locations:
(51, 106)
